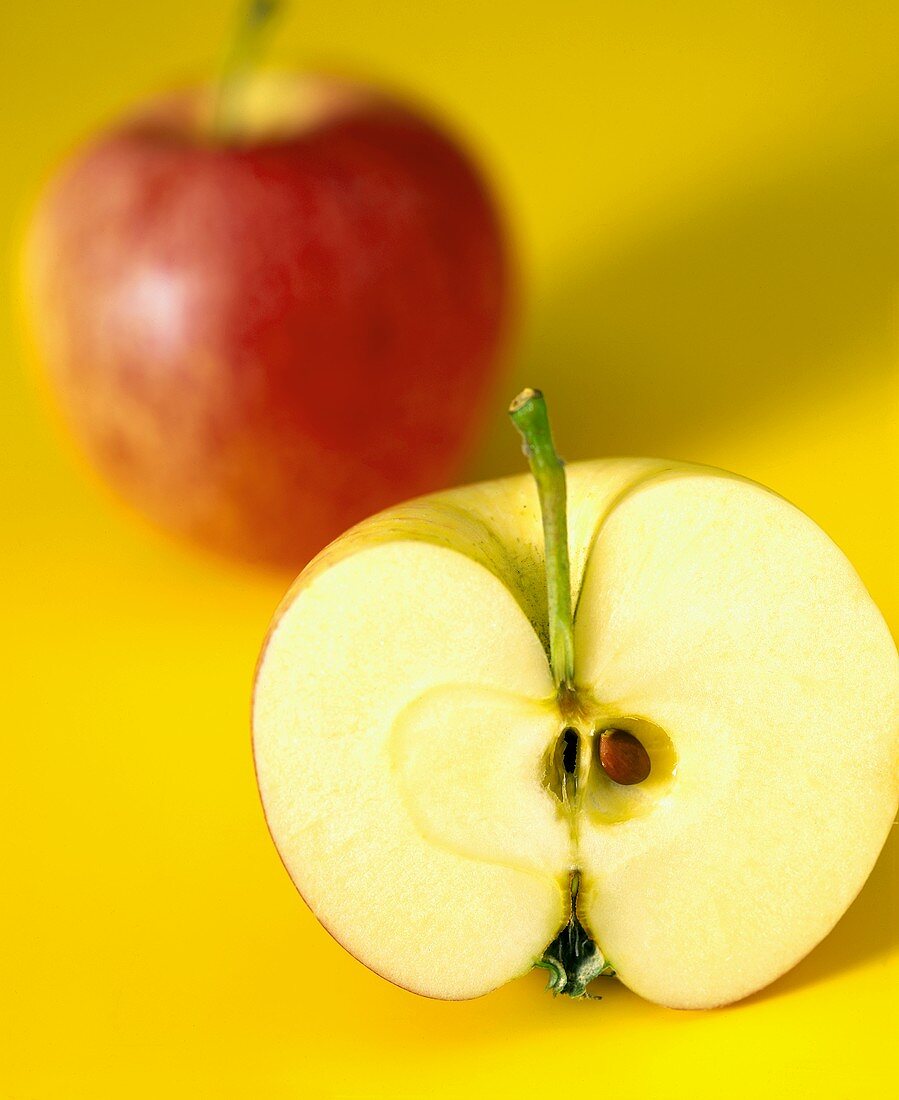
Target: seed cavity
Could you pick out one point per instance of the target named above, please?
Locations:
(570, 746)
(562, 764)
(623, 758)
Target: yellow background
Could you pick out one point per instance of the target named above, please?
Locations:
(705, 197)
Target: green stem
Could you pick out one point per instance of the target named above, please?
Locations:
(240, 58)
(529, 415)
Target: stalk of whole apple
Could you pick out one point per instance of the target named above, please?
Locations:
(455, 819)
(249, 329)
(240, 60)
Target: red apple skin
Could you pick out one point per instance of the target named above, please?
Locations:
(261, 343)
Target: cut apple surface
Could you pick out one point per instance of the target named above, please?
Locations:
(730, 620)
(435, 798)
(399, 735)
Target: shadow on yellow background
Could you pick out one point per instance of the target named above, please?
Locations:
(764, 294)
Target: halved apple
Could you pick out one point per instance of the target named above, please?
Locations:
(695, 805)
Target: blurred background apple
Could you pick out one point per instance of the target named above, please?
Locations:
(270, 310)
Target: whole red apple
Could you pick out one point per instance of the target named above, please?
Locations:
(263, 340)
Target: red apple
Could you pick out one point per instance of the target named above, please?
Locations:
(261, 341)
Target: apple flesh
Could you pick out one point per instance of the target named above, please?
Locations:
(248, 338)
(408, 735)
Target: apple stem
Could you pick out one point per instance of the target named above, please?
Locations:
(240, 57)
(530, 417)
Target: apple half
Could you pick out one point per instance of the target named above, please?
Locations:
(450, 815)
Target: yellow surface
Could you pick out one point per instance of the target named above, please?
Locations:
(705, 200)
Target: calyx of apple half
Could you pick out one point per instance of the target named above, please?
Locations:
(654, 733)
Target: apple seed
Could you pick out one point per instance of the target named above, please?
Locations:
(623, 758)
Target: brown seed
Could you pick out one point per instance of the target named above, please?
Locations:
(623, 758)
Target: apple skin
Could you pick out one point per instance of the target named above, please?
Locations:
(261, 342)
